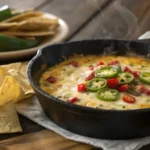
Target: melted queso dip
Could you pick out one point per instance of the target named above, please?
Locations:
(107, 82)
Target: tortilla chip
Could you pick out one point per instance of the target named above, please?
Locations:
(27, 95)
(22, 16)
(21, 76)
(9, 121)
(29, 33)
(36, 24)
(18, 71)
(3, 74)
(12, 66)
(4, 26)
(10, 90)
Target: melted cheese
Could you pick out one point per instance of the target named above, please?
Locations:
(68, 77)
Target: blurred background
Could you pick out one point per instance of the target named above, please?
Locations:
(122, 19)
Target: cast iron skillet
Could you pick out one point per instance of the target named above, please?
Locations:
(97, 123)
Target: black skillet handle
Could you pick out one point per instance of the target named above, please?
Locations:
(147, 41)
(145, 38)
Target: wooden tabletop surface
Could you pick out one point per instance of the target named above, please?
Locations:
(119, 19)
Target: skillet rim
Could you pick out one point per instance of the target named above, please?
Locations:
(75, 106)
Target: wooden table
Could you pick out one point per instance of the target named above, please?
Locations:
(120, 19)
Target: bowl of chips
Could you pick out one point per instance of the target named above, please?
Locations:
(23, 32)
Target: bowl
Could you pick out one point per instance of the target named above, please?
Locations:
(97, 123)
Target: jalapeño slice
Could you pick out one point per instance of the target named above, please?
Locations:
(125, 77)
(145, 77)
(106, 72)
(108, 94)
(96, 84)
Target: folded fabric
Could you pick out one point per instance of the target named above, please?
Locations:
(32, 110)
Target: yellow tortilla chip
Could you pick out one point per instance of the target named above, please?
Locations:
(21, 76)
(9, 121)
(10, 90)
(27, 95)
(36, 24)
(12, 66)
(3, 74)
(4, 26)
(28, 33)
(18, 71)
(22, 16)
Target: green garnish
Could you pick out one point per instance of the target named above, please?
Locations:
(108, 94)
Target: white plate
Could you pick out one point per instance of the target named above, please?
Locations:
(60, 36)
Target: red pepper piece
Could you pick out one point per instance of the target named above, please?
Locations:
(91, 68)
(72, 100)
(141, 88)
(135, 73)
(128, 98)
(115, 62)
(147, 91)
(81, 87)
(51, 79)
(90, 77)
(126, 69)
(74, 63)
(112, 83)
(100, 63)
(123, 88)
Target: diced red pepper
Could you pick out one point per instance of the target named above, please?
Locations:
(74, 63)
(90, 77)
(72, 100)
(126, 69)
(128, 98)
(51, 79)
(147, 91)
(135, 73)
(91, 68)
(141, 88)
(123, 88)
(81, 87)
(112, 83)
(100, 63)
(115, 62)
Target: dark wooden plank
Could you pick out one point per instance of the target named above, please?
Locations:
(75, 12)
(42, 140)
(120, 20)
(22, 4)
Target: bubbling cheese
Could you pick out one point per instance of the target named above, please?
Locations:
(68, 77)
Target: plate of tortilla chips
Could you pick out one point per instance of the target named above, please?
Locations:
(14, 87)
(23, 32)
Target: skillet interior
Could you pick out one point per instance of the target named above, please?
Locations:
(108, 124)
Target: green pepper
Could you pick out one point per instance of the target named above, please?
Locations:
(125, 77)
(108, 94)
(5, 13)
(96, 84)
(8, 43)
(145, 77)
(106, 72)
